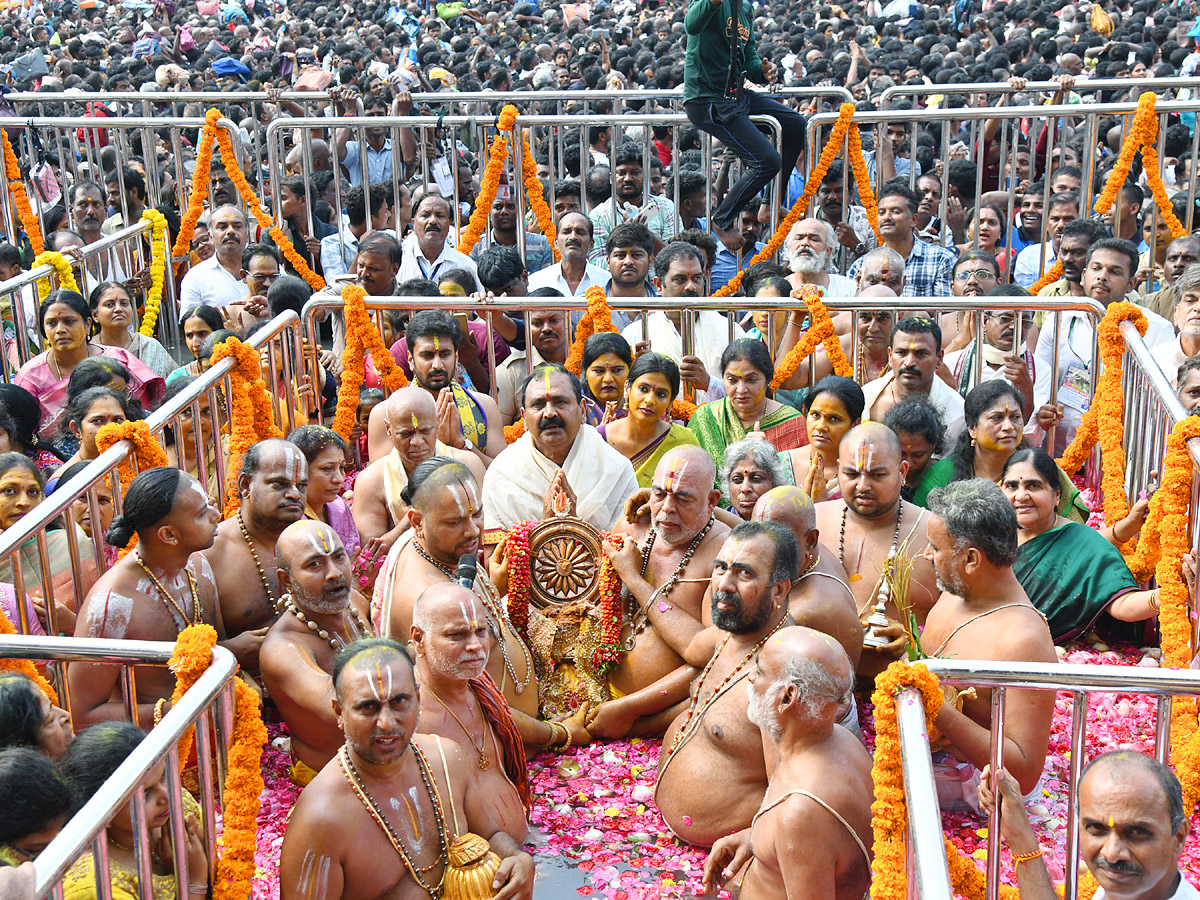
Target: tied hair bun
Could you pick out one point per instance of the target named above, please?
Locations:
(119, 532)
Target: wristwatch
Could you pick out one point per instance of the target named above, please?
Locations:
(469, 444)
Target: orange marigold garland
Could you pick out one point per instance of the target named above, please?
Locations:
(820, 332)
(1051, 275)
(281, 239)
(195, 207)
(862, 180)
(253, 413)
(361, 336)
(243, 776)
(597, 318)
(537, 199)
(609, 652)
(490, 181)
(517, 554)
(1104, 419)
(24, 666)
(147, 451)
(828, 154)
(682, 410)
(16, 187)
(889, 810)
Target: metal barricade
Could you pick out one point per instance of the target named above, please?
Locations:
(20, 294)
(1081, 681)
(29, 546)
(207, 706)
(689, 307)
(1092, 85)
(129, 134)
(424, 138)
(1053, 140)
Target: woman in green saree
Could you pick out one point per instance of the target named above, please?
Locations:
(646, 433)
(995, 429)
(1071, 572)
(746, 410)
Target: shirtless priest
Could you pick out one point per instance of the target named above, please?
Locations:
(820, 792)
(321, 614)
(379, 819)
(983, 613)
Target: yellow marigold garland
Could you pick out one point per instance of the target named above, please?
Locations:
(281, 239)
(24, 666)
(537, 201)
(820, 332)
(243, 776)
(195, 207)
(147, 451)
(1051, 275)
(16, 187)
(158, 269)
(253, 412)
(828, 154)
(1104, 419)
(490, 181)
(62, 271)
(361, 337)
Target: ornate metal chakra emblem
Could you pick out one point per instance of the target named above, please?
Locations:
(564, 554)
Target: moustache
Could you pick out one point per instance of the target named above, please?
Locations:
(341, 584)
(1123, 867)
(910, 370)
(551, 422)
(729, 598)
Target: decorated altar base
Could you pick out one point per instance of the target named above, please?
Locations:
(597, 833)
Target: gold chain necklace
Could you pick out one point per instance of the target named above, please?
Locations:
(262, 575)
(364, 796)
(172, 605)
(497, 613)
(481, 747)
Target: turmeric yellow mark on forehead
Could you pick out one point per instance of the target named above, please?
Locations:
(436, 344)
(414, 420)
(546, 379)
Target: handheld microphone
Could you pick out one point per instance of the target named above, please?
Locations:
(468, 565)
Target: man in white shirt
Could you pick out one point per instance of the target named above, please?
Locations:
(1029, 266)
(679, 272)
(573, 275)
(427, 253)
(1132, 829)
(217, 281)
(631, 203)
(1107, 275)
(1171, 355)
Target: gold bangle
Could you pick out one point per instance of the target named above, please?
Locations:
(1155, 600)
(158, 709)
(1019, 858)
(567, 745)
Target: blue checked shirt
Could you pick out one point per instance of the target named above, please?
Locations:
(926, 271)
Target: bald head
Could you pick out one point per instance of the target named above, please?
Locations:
(802, 680)
(877, 290)
(872, 436)
(369, 654)
(682, 495)
(451, 630)
(436, 479)
(410, 418)
(304, 541)
(690, 463)
(788, 505)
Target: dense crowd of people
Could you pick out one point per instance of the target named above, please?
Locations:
(774, 547)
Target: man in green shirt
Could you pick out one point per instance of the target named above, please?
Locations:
(721, 56)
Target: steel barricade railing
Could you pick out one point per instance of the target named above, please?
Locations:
(928, 872)
(890, 94)
(22, 289)
(281, 335)
(1081, 681)
(1009, 119)
(60, 133)
(206, 705)
(323, 304)
(424, 129)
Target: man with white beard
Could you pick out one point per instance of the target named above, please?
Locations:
(1171, 355)
(810, 245)
(820, 790)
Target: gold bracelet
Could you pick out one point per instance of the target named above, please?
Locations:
(1019, 858)
(567, 745)
(558, 734)
(158, 709)
(1155, 600)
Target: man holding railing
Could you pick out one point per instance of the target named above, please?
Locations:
(720, 58)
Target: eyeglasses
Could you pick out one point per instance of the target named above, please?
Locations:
(20, 851)
(1009, 318)
(977, 274)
